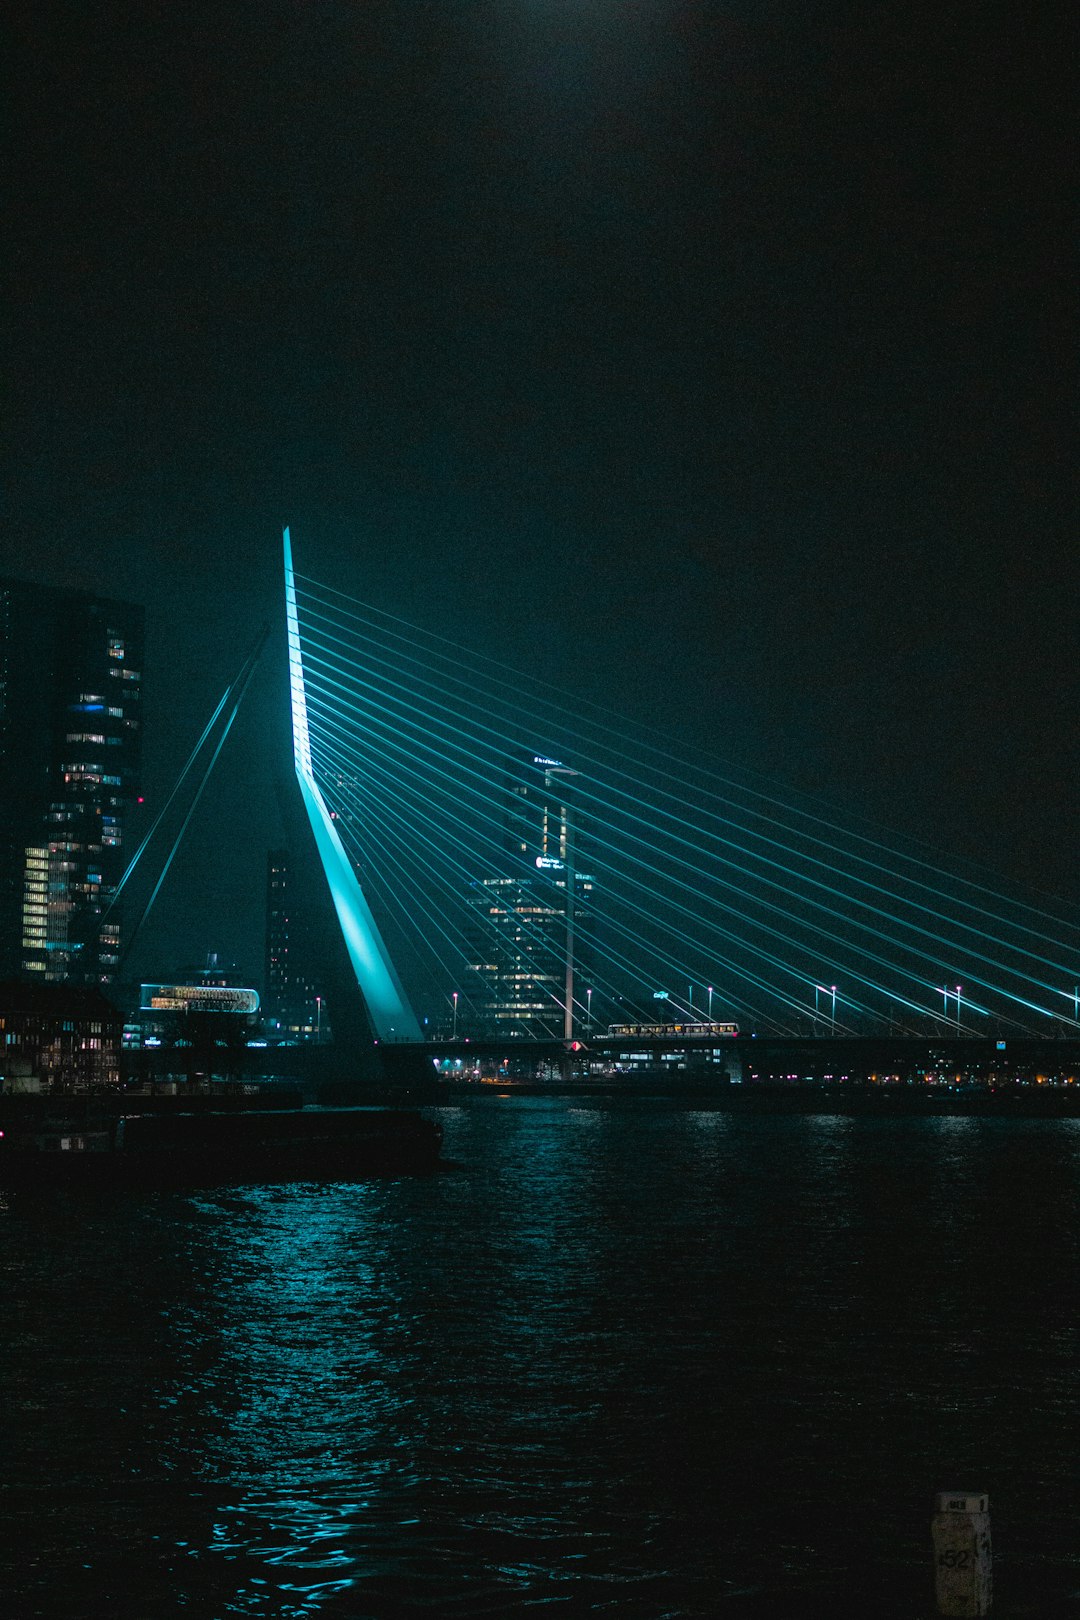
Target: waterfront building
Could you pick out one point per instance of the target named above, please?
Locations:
(70, 754)
(525, 938)
(293, 1007)
(57, 1037)
(207, 1004)
(516, 977)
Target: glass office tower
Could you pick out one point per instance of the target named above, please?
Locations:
(294, 1010)
(522, 935)
(70, 756)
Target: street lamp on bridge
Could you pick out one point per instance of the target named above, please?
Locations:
(825, 990)
(957, 991)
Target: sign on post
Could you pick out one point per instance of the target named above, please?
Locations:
(963, 1561)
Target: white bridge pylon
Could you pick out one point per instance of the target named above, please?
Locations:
(389, 1011)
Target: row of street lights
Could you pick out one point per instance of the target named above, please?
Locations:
(456, 996)
(819, 990)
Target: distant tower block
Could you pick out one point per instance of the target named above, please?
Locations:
(293, 1000)
(391, 1016)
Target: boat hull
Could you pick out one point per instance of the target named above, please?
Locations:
(153, 1153)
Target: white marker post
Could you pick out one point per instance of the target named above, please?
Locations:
(963, 1561)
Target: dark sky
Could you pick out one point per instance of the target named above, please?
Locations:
(714, 360)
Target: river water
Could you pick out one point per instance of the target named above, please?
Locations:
(627, 1358)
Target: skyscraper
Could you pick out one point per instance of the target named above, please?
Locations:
(527, 944)
(538, 817)
(70, 753)
(293, 1009)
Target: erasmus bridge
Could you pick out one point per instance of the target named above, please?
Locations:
(501, 866)
(536, 869)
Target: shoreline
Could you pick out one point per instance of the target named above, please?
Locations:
(869, 1101)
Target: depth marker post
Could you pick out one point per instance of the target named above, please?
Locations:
(963, 1558)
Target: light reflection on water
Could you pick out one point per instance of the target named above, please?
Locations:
(628, 1359)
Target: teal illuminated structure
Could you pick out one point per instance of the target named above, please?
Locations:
(388, 1009)
(401, 736)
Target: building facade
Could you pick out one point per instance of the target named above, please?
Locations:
(57, 1037)
(70, 756)
(524, 936)
(206, 1006)
(293, 1008)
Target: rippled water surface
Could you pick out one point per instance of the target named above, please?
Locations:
(625, 1359)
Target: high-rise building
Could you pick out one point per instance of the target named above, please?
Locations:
(539, 821)
(293, 1008)
(70, 753)
(527, 941)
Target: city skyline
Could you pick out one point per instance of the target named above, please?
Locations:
(909, 964)
(670, 411)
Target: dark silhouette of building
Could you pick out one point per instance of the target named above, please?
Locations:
(57, 1037)
(70, 752)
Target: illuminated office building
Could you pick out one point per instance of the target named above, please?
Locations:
(293, 1009)
(70, 751)
(522, 935)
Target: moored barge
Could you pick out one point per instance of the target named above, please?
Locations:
(210, 1149)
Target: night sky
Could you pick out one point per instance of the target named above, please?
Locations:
(715, 361)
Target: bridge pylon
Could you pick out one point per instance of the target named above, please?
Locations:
(389, 1013)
